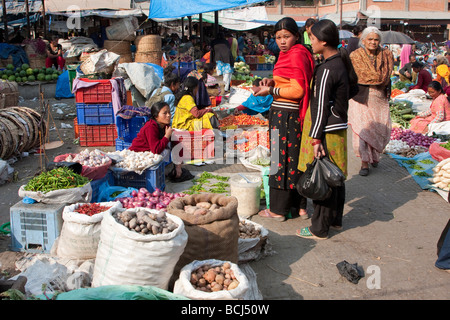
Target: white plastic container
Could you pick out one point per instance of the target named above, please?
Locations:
(248, 194)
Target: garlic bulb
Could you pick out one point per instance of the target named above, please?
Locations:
(136, 161)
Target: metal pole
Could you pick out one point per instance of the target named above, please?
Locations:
(201, 29)
(341, 9)
(5, 22)
(44, 34)
(27, 7)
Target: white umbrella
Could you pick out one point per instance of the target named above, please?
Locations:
(345, 34)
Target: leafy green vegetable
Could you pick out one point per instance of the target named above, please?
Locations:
(426, 161)
(422, 174)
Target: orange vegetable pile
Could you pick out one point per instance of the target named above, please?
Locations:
(242, 120)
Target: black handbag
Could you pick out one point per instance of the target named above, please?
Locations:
(312, 183)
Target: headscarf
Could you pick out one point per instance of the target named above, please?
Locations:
(443, 72)
(404, 55)
(297, 63)
(370, 73)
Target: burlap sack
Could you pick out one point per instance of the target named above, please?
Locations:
(211, 236)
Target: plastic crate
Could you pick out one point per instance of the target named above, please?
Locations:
(35, 227)
(251, 59)
(261, 59)
(253, 66)
(151, 179)
(269, 66)
(99, 93)
(127, 129)
(195, 145)
(95, 114)
(96, 136)
(261, 66)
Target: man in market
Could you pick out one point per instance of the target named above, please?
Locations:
(406, 73)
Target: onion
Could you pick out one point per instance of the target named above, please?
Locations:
(159, 206)
(143, 190)
(156, 193)
(134, 193)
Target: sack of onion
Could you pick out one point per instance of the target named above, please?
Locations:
(212, 280)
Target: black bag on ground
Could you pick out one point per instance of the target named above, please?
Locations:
(312, 183)
(332, 173)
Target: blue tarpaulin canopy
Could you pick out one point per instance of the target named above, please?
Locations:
(162, 9)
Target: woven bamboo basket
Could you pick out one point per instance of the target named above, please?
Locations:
(36, 62)
(22, 134)
(5, 62)
(9, 94)
(122, 48)
(148, 43)
(149, 57)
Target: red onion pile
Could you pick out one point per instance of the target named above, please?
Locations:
(157, 199)
(412, 138)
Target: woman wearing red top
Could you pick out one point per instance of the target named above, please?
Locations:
(155, 135)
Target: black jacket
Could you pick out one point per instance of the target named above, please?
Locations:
(329, 101)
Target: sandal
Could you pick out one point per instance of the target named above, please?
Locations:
(364, 172)
(266, 214)
(306, 233)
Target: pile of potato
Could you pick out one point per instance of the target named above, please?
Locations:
(146, 222)
(248, 230)
(211, 279)
(201, 208)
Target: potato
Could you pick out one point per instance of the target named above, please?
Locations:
(190, 209)
(210, 275)
(220, 278)
(216, 287)
(205, 205)
(200, 212)
(233, 285)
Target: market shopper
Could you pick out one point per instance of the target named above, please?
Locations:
(407, 73)
(290, 90)
(439, 110)
(325, 128)
(443, 75)
(55, 55)
(423, 77)
(187, 115)
(222, 57)
(167, 91)
(368, 112)
(353, 41)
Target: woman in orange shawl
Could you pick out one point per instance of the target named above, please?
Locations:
(369, 110)
(290, 90)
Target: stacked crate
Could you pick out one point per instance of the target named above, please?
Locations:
(95, 114)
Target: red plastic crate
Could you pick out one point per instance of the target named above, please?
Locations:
(96, 136)
(196, 145)
(99, 93)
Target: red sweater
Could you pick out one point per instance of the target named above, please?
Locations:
(149, 139)
(423, 80)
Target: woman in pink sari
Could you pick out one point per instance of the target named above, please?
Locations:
(439, 110)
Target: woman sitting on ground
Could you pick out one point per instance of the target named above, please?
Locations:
(187, 115)
(439, 110)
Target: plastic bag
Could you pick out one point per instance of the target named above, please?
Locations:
(350, 271)
(312, 183)
(332, 174)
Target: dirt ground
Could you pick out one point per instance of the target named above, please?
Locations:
(391, 228)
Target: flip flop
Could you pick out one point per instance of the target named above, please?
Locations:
(305, 233)
(266, 214)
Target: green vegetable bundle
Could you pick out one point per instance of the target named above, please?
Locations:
(56, 179)
(401, 112)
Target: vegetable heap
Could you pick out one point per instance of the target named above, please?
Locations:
(401, 113)
(211, 279)
(446, 145)
(251, 139)
(91, 208)
(146, 222)
(412, 138)
(242, 120)
(157, 199)
(401, 85)
(94, 158)
(441, 175)
(200, 184)
(56, 179)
